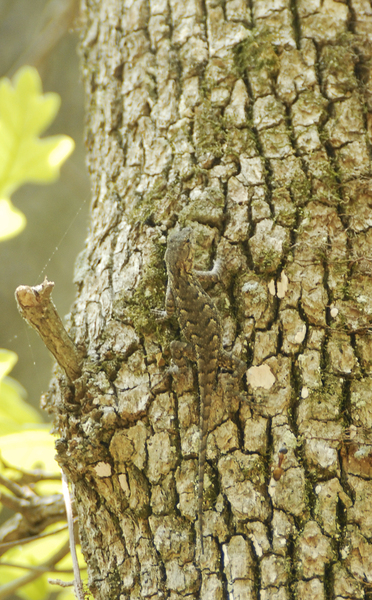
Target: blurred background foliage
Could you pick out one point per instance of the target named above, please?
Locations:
(44, 33)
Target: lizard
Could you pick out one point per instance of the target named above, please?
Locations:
(200, 325)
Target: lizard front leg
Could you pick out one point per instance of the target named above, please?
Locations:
(170, 307)
(212, 276)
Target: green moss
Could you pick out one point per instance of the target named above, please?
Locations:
(210, 133)
(198, 173)
(328, 175)
(256, 472)
(213, 133)
(149, 204)
(301, 189)
(338, 62)
(157, 203)
(145, 206)
(207, 208)
(148, 296)
(257, 53)
(239, 141)
(87, 593)
(268, 261)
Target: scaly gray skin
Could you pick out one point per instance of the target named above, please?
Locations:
(201, 326)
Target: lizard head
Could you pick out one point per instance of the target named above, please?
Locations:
(180, 251)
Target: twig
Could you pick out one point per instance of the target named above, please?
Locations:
(30, 476)
(33, 517)
(36, 307)
(33, 507)
(61, 583)
(78, 584)
(27, 540)
(41, 570)
(15, 488)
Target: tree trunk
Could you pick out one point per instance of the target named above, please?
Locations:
(248, 122)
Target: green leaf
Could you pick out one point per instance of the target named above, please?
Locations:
(24, 113)
(30, 449)
(7, 361)
(15, 413)
(67, 594)
(12, 220)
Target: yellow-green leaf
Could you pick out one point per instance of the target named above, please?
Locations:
(24, 113)
(36, 590)
(12, 220)
(15, 413)
(30, 449)
(7, 361)
(67, 594)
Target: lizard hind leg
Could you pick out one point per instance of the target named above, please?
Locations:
(238, 367)
(180, 350)
(233, 363)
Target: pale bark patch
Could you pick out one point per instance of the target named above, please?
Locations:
(103, 469)
(261, 376)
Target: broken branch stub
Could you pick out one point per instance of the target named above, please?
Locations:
(37, 308)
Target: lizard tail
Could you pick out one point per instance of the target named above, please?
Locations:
(205, 407)
(202, 459)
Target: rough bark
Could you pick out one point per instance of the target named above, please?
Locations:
(250, 123)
